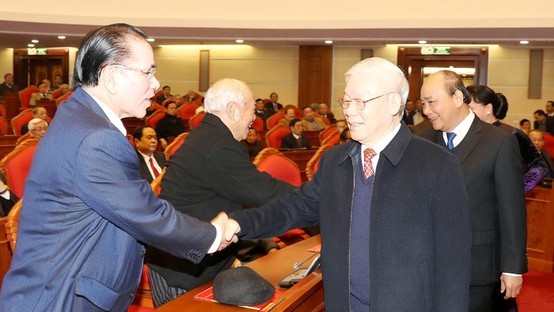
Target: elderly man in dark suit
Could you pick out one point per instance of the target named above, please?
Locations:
(87, 211)
(295, 139)
(151, 161)
(491, 162)
(395, 232)
(210, 172)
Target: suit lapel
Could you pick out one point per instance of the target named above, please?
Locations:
(470, 141)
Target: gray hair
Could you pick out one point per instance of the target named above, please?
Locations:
(223, 93)
(384, 73)
(33, 123)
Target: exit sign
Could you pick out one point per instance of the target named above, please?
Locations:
(441, 50)
(42, 51)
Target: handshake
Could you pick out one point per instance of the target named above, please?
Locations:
(230, 228)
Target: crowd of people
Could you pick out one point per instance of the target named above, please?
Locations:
(423, 198)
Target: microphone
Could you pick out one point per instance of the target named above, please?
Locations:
(298, 265)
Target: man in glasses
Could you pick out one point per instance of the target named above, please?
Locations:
(86, 208)
(392, 208)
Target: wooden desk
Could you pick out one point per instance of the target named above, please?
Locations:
(540, 229)
(12, 104)
(304, 296)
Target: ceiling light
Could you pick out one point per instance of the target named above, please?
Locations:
(61, 37)
(34, 41)
(524, 42)
(422, 41)
(30, 45)
(328, 41)
(239, 41)
(150, 39)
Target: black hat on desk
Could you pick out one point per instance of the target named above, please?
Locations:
(242, 286)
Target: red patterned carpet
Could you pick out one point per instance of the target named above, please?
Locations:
(537, 294)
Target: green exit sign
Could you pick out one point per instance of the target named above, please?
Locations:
(441, 50)
(42, 51)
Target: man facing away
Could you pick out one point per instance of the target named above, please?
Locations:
(491, 163)
(392, 208)
(86, 208)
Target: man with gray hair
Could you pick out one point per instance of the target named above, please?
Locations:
(212, 171)
(37, 128)
(392, 208)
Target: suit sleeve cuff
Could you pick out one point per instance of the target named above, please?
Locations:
(512, 274)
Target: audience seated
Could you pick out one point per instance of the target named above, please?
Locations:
(295, 139)
(341, 124)
(323, 111)
(38, 112)
(152, 162)
(537, 137)
(63, 89)
(170, 125)
(252, 144)
(37, 128)
(273, 136)
(273, 106)
(290, 114)
(25, 96)
(260, 110)
(42, 94)
(273, 120)
(166, 94)
(8, 85)
(310, 122)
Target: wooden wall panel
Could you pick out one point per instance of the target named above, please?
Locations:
(315, 75)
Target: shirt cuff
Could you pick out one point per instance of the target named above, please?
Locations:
(6, 195)
(217, 241)
(512, 274)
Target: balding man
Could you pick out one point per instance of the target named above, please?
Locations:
(491, 162)
(394, 224)
(38, 112)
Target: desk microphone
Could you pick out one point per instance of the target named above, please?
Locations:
(298, 265)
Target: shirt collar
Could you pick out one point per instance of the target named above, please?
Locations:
(379, 147)
(461, 129)
(112, 117)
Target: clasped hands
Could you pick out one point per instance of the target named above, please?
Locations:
(230, 229)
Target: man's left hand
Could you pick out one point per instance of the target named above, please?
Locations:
(511, 285)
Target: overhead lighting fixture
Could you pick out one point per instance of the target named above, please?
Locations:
(61, 37)
(328, 41)
(30, 45)
(239, 41)
(422, 41)
(34, 41)
(150, 39)
(524, 42)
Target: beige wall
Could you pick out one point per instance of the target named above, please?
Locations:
(6, 62)
(264, 69)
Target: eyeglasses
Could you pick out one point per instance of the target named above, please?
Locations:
(149, 72)
(358, 103)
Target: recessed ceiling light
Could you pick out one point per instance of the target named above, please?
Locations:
(422, 41)
(239, 41)
(34, 41)
(524, 42)
(150, 39)
(61, 37)
(30, 45)
(328, 41)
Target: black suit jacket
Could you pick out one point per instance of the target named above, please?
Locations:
(548, 125)
(271, 110)
(144, 171)
(6, 204)
(419, 239)
(209, 173)
(491, 164)
(290, 141)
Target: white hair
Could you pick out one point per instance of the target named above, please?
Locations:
(223, 93)
(384, 72)
(33, 123)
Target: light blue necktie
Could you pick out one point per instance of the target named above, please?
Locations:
(450, 136)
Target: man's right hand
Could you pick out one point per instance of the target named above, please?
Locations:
(230, 229)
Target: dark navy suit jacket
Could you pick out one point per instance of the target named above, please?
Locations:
(419, 234)
(85, 210)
